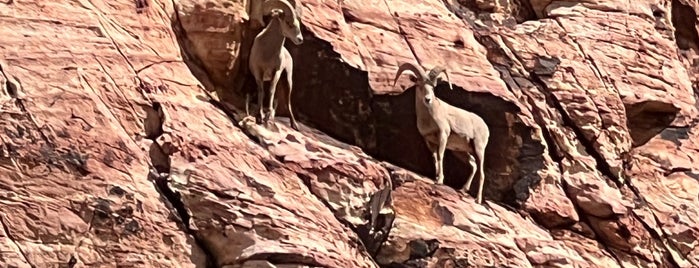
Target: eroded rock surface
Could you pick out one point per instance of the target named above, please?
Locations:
(113, 153)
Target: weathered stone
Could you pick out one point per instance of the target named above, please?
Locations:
(112, 153)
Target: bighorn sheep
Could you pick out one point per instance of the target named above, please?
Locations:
(269, 58)
(444, 126)
(255, 10)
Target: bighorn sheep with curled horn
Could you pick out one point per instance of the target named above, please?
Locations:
(255, 10)
(269, 58)
(444, 126)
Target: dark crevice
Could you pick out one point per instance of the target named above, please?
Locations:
(153, 124)
(285, 259)
(684, 19)
(11, 89)
(174, 200)
(585, 219)
(379, 242)
(72, 262)
(602, 165)
(160, 164)
(676, 170)
(525, 11)
(375, 234)
(553, 151)
(660, 237)
(141, 5)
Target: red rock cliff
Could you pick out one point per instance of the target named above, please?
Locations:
(120, 142)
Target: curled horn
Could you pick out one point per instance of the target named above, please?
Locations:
(434, 74)
(299, 9)
(289, 14)
(408, 66)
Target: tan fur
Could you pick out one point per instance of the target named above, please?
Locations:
(269, 59)
(444, 126)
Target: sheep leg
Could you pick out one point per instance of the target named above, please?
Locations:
(435, 158)
(289, 73)
(272, 90)
(440, 156)
(472, 163)
(260, 96)
(480, 153)
(247, 104)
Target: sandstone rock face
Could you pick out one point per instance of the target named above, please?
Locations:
(115, 151)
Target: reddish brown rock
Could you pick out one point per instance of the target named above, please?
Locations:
(437, 227)
(74, 181)
(83, 184)
(112, 153)
(354, 186)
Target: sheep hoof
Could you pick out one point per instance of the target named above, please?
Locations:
(270, 125)
(246, 121)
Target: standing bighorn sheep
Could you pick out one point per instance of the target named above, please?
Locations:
(444, 126)
(269, 58)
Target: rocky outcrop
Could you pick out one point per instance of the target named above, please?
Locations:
(123, 144)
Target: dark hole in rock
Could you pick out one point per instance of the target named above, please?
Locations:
(72, 262)
(647, 119)
(684, 19)
(422, 248)
(520, 10)
(523, 10)
(349, 16)
(132, 227)
(11, 89)
(159, 159)
(676, 135)
(153, 123)
(118, 191)
(658, 13)
(546, 65)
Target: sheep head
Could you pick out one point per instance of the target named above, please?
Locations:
(425, 83)
(433, 76)
(288, 19)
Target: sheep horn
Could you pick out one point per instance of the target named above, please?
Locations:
(408, 66)
(285, 6)
(435, 72)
